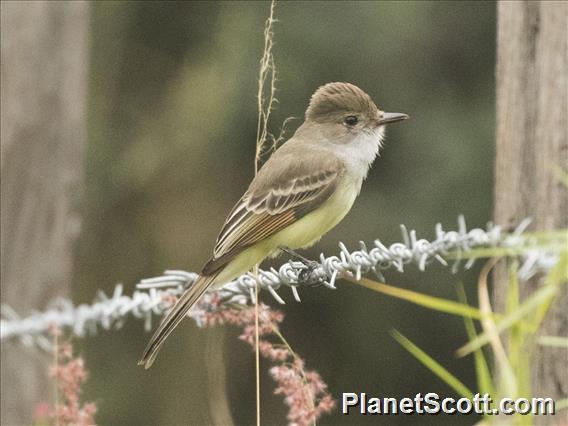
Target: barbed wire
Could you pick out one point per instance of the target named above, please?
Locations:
(153, 296)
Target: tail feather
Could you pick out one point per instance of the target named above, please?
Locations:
(174, 317)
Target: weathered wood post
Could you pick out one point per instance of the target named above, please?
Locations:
(532, 139)
(43, 72)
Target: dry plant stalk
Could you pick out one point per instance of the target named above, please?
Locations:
(305, 392)
(266, 93)
(489, 326)
(264, 109)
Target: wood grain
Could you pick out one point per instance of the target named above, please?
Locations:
(532, 123)
(43, 72)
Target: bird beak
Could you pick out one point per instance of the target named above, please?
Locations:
(392, 117)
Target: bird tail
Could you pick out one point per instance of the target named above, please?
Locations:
(174, 317)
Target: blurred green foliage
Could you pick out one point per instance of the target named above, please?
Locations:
(172, 124)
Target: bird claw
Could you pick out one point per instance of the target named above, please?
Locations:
(308, 275)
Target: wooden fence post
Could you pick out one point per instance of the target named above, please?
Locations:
(43, 72)
(532, 140)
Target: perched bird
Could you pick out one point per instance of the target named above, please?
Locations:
(306, 187)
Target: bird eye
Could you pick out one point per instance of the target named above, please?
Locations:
(351, 120)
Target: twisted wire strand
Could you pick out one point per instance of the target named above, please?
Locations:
(153, 295)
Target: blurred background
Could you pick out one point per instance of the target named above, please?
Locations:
(171, 120)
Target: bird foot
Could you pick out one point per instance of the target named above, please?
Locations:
(307, 275)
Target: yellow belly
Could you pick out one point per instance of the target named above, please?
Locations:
(302, 233)
(309, 229)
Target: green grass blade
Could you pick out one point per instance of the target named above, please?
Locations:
(430, 363)
(513, 292)
(553, 341)
(542, 295)
(560, 174)
(487, 252)
(518, 354)
(547, 235)
(431, 302)
(554, 241)
(556, 277)
(511, 305)
(484, 379)
(562, 404)
(539, 301)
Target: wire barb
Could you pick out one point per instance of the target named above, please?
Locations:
(153, 296)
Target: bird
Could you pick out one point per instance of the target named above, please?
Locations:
(304, 189)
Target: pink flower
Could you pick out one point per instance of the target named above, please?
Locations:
(69, 374)
(304, 392)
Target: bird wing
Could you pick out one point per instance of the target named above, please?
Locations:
(281, 193)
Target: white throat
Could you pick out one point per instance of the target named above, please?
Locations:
(359, 154)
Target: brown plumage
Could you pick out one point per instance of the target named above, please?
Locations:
(173, 318)
(322, 165)
(274, 202)
(337, 99)
(270, 204)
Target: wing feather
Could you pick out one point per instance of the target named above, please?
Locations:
(280, 194)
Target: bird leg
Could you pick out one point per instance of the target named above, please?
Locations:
(298, 256)
(306, 276)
